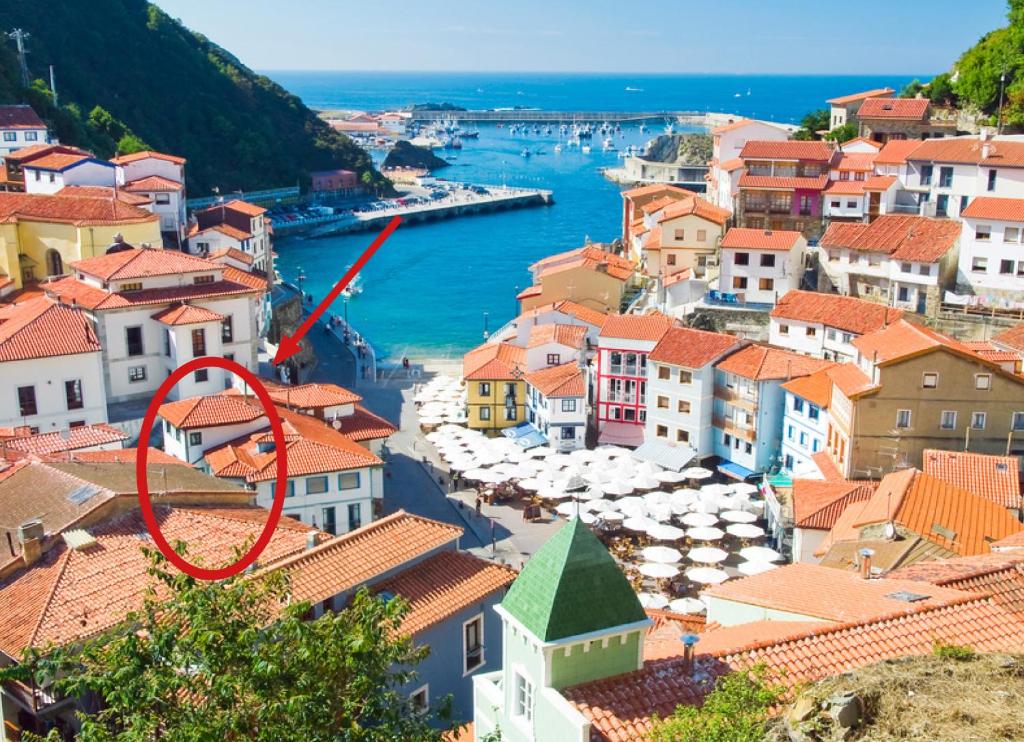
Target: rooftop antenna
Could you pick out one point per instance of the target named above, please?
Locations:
(19, 37)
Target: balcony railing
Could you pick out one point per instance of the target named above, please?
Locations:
(623, 398)
(728, 426)
(740, 399)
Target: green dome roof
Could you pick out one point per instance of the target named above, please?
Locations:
(572, 586)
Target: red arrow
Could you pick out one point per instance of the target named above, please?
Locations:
(290, 343)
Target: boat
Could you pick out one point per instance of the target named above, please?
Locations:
(585, 149)
(608, 145)
(558, 149)
(470, 134)
(525, 152)
(669, 129)
(634, 90)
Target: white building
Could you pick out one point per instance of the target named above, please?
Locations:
(805, 422)
(991, 263)
(234, 224)
(825, 325)
(843, 109)
(51, 172)
(161, 178)
(726, 167)
(51, 370)
(857, 200)
(156, 309)
(565, 312)
(681, 387)
(760, 265)
(20, 127)
(554, 345)
(193, 426)
(556, 405)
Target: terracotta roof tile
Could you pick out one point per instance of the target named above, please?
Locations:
(78, 210)
(145, 155)
(760, 239)
(846, 313)
(566, 380)
(57, 161)
(84, 436)
(895, 151)
(494, 361)
(647, 327)
(783, 183)
(589, 258)
(187, 314)
(311, 396)
(19, 116)
(39, 328)
(826, 466)
(235, 283)
(102, 192)
(850, 380)
(787, 149)
(230, 252)
(902, 338)
(123, 455)
(911, 238)
(244, 207)
(153, 183)
(818, 504)
(363, 425)
(571, 308)
(225, 229)
(998, 575)
(816, 388)
(732, 126)
(211, 411)
(915, 109)
(998, 209)
(573, 336)
(684, 346)
(880, 182)
(761, 362)
(649, 190)
(695, 206)
(970, 151)
(736, 163)
(143, 263)
(996, 478)
(855, 162)
(854, 97)
(1012, 338)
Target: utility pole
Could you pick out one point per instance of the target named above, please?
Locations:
(1002, 84)
(53, 87)
(19, 37)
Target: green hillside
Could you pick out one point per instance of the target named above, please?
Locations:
(129, 77)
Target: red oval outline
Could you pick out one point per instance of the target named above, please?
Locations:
(142, 456)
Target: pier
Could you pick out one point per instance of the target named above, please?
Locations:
(527, 115)
(461, 203)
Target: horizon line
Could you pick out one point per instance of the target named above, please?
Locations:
(266, 70)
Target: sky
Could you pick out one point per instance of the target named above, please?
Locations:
(670, 36)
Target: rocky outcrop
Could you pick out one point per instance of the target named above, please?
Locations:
(407, 155)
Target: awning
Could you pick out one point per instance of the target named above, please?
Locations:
(517, 431)
(735, 471)
(525, 435)
(622, 434)
(665, 455)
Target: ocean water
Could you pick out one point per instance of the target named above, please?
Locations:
(432, 289)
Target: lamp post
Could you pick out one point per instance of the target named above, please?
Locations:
(301, 277)
(346, 311)
(487, 334)
(1002, 84)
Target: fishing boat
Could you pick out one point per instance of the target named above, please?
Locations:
(585, 149)
(525, 152)
(558, 149)
(608, 145)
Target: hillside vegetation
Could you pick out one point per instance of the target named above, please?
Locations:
(130, 77)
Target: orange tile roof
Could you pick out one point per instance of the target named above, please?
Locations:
(846, 313)
(102, 192)
(826, 466)
(856, 162)
(494, 361)
(998, 575)
(647, 327)
(816, 388)
(573, 336)
(242, 459)
(143, 263)
(145, 155)
(918, 502)
(854, 97)
(33, 151)
(123, 455)
(231, 252)
(895, 151)
(861, 140)
(998, 209)
(70, 595)
(845, 188)
(84, 436)
(566, 306)
(911, 238)
(652, 207)
(153, 183)
(312, 396)
(212, 411)
(566, 380)
(649, 190)
(684, 346)
(39, 328)
(728, 166)
(70, 209)
(969, 151)
(902, 339)
(236, 283)
(187, 314)
(225, 229)
(787, 149)
(880, 182)
(363, 425)
(244, 207)
(697, 206)
(443, 585)
(588, 257)
(535, 290)
(914, 109)
(761, 362)
(772, 182)
(1012, 338)
(350, 560)
(996, 478)
(58, 161)
(653, 240)
(732, 126)
(1013, 542)
(743, 238)
(850, 380)
(818, 504)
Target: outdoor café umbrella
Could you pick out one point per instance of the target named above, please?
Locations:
(745, 530)
(744, 488)
(665, 533)
(543, 451)
(737, 516)
(652, 600)
(660, 513)
(699, 519)
(610, 516)
(707, 575)
(583, 455)
(632, 506)
(707, 555)
(616, 488)
(658, 570)
(588, 518)
(638, 523)
(755, 568)
(601, 504)
(568, 509)
(687, 605)
(760, 554)
(645, 482)
(705, 533)
(531, 485)
(696, 472)
(714, 492)
(487, 476)
(664, 554)
(655, 498)
(670, 476)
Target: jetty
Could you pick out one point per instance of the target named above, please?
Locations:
(531, 115)
(463, 203)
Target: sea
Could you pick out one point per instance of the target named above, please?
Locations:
(433, 290)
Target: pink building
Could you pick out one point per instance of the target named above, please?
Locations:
(334, 180)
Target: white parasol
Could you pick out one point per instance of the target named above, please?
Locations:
(665, 533)
(638, 523)
(664, 554)
(707, 575)
(658, 570)
(616, 488)
(745, 530)
(737, 516)
(705, 533)
(652, 600)
(760, 554)
(687, 605)
(610, 516)
(568, 509)
(755, 568)
(707, 555)
(744, 488)
(698, 520)
(670, 476)
(696, 472)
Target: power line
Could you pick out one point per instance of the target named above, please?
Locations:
(20, 37)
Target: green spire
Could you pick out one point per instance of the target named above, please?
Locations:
(572, 586)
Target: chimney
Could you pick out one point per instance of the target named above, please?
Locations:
(986, 150)
(865, 563)
(689, 642)
(310, 540)
(30, 536)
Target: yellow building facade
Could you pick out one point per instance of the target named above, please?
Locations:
(495, 390)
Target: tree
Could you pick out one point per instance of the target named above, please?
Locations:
(940, 90)
(233, 660)
(812, 123)
(843, 133)
(912, 89)
(735, 711)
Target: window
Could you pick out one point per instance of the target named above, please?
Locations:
(129, 287)
(199, 342)
(554, 359)
(330, 519)
(835, 204)
(742, 258)
(664, 373)
(983, 232)
(73, 394)
(133, 339)
(947, 420)
(726, 439)
(27, 401)
(568, 433)
(1017, 422)
(524, 698)
(473, 644)
(942, 205)
(1006, 267)
(661, 431)
(798, 404)
(316, 485)
(568, 405)
(813, 412)
(767, 260)
(783, 329)
(485, 413)
(903, 419)
(682, 436)
(680, 234)
(201, 376)
(31, 136)
(136, 374)
(739, 282)
(355, 516)
(1011, 234)
(290, 490)
(945, 177)
(484, 389)
(929, 380)
(852, 204)
(662, 403)
(991, 180)
(812, 332)
(702, 235)
(10, 136)
(163, 198)
(683, 407)
(978, 420)
(685, 377)
(195, 438)
(348, 480)
(907, 267)
(203, 279)
(227, 330)
(979, 264)
(748, 448)
(511, 413)
(670, 259)
(766, 284)
(926, 175)
(983, 382)
(419, 699)
(629, 414)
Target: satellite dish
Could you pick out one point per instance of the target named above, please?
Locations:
(890, 531)
(336, 424)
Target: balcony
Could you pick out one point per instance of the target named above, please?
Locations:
(728, 426)
(740, 399)
(623, 398)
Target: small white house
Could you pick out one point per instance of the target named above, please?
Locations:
(193, 426)
(760, 265)
(236, 224)
(556, 405)
(805, 422)
(161, 178)
(726, 167)
(20, 127)
(51, 172)
(555, 345)
(991, 263)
